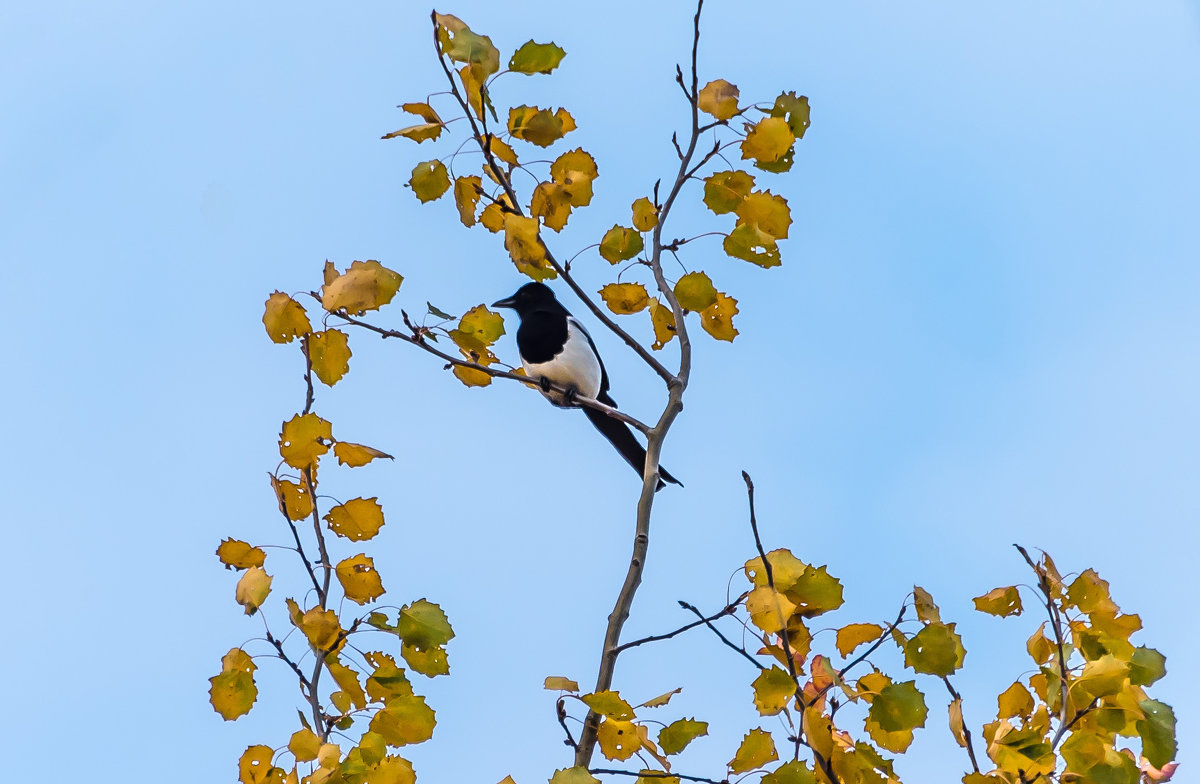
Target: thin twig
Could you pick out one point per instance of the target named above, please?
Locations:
(1052, 609)
(954, 695)
(560, 710)
(725, 639)
(299, 546)
(729, 609)
(309, 397)
(656, 774)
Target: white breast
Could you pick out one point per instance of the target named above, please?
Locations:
(576, 365)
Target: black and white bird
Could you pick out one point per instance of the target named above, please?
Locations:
(555, 347)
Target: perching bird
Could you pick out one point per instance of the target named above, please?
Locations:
(555, 347)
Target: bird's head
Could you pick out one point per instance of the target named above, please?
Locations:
(528, 298)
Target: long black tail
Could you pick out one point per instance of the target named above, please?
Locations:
(619, 434)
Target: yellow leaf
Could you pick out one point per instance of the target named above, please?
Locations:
(366, 285)
(795, 110)
(576, 775)
(294, 500)
(551, 203)
(429, 661)
(769, 609)
(957, 728)
(927, 611)
(405, 719)
(304, 438)
(539, 126)
(533, 58)
(357, 455)
(329, 755)
(719, 98)
(429, 180)
(768, 140)
(254, 767)
(660, 700)
(358, 519)
(695, 291)
(1002, 602)
(330, 354)
(473, 88)
(618, 739)
(393, 770)
(285, 318)
(430, 129)
(757, 749)
(321, 627)
(387, 681)
(575, 171)
(767, 211)
(724, 191)
(773, 689)
(236, 554)
(1014, 701)
(304, 745)
(523, 244)
(233, 691)
(462, 45)
(855, 634)
(252, 589)
(501, 151)
(620, 244)
(492, 216)
(471, 377)
(347, 680)
(750, 243)
(1090, 593)
(467, 192)
(717, 319)
(559, 683)
(1038, 646)
(663, 321)
(1102, 677)
(645, 215)
(625, 298)
(359, 579)
(610, 704)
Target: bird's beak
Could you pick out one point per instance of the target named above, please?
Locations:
(504, 303)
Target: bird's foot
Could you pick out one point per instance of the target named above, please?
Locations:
(570, 395)
(544, 383)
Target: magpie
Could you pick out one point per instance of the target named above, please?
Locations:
(555, 348)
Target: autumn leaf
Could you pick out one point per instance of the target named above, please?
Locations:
(358, 519)
(236, 554)
(618, 739)
(756, 750)
(558, 683)
(572, 776)
(935, 650)
(717, 318)
(927, 611)
(539, 126)
(1014, 701)
(330, 354)
(719, 98)
(855, 634)
(575, 171)
(356, 455)
(252, 589)
(294, 500)
(321, 627)
(772, 690)
(427, 661)
(359, 579)
(552, 204)
(1002, 602)
(898, 707)
(625, 298)
(392, 770)
(366, 285)
(405, 719)
(467, 192)
(724, 191)
(254, 766)
(766, 211)
(430, 129)
(769, 609)
(957, 727)
(610, 704)
(750, 243)
(620, 244)
(676, 736)
(347, 680)
(304, 438)
(424, 625)
(304, 745)
(233, 691)
(794, 772)
(533, 58)
(794, 110)
(525, 247)
(660, 700)
(462, 45)
(695, 291)
(768, 140)
(429, 180)
(284, 318)
(663, 321)
(645, 215)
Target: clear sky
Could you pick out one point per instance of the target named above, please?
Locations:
(985, 331)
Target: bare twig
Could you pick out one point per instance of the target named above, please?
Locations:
(560, 710)
(723, 638)
(299, 546)
(728, 609)
(656, 774)
(309, 397)
(954, 695)
(1059, 644)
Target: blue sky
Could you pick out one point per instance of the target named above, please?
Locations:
(985, 331)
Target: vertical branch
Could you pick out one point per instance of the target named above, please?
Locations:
(1059, 644)
(322, 600)
(954, 695)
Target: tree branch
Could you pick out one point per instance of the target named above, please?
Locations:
(723, 638)
(954, 695)
(1052, 609)
(560, 710)
(656, 774)
(729, 609)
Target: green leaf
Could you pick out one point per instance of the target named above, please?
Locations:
(927, 611)
(433, 311)
(752, 244)
(724, 191)
(675, 737)
(424, 625)
(757, 749)
(1148, 666)
(429, 180)
(620, 244)
(427, 661)
(899, 707)
(816, 592)
(794, 772)
(534, 58)
(935, 650)
(772, 690)
(405, 719)
(1157, 731)
(695, 291)
(793, 109)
